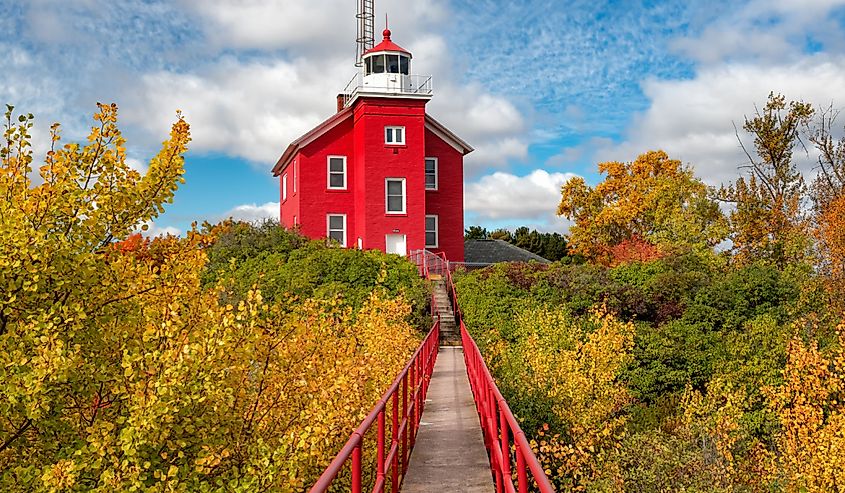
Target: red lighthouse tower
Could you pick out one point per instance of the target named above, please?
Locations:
(381, 173)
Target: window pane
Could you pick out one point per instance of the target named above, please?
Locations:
(393, 64)
(430, 166)
(399, 137)
(378, 64)
(337, 235)
(430, 239)
(394, 187)
(335, 222)
(368, 63)
(336, 164)
(394, 204)
(430, 223)
(388, 135)
(430, 181)
(336, 180)
(403, 65)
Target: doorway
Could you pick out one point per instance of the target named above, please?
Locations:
(395, 244)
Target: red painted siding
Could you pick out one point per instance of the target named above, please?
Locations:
(447, 202)
(317, 200)
(290, 208)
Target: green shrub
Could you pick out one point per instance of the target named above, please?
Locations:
(288, 267)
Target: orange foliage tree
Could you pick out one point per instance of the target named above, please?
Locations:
(653, 200)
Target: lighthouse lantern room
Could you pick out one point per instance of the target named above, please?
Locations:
(381, 173)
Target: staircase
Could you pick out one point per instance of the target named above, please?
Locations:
(442, 310)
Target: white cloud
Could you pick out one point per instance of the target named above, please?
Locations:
(245, 109)
(254, 108)
(317, 27)
(254, 212)
(272, 24)
(765, 30)
(491, 124)
(517, 200)
(693, 119)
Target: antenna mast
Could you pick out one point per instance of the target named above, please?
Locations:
(366, 28)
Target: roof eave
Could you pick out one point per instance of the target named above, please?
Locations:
(447, 135)
(312, 135)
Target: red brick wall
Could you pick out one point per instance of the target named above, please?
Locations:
(317, 201)
(447, 202)
(376, 161)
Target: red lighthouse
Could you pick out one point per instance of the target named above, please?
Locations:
(381, 173)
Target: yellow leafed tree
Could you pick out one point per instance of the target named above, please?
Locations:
(810, 446)
(120, 372)
(573, 366)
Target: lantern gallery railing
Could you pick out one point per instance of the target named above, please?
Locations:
(403, 404)
(419, 85)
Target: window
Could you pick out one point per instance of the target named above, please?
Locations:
(295, 165)
(294, 221)
(337, 173)
(395, 195)
(393, 64)
(431, 173)
(378, 64)
(431, 231)
(336, 228)
(284, 187)
(394, 135)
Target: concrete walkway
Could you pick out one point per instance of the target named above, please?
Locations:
(449, 455)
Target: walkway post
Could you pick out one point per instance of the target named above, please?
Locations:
(356, 467)
(394, 445)
(380, 450)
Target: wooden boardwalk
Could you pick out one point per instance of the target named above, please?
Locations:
(449, 454)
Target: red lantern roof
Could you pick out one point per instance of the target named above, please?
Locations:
(387, 45)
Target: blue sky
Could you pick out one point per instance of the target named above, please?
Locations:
(543, 89)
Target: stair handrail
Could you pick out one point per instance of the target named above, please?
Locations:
(416, 375)
(498, 424)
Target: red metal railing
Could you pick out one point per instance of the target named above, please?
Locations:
(436, 263)
(392, 461)
(501, 430)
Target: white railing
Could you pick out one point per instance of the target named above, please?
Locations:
(394, 84)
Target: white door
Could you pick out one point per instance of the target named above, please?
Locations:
(395, 244)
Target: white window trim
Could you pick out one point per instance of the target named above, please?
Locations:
(295, 165)
(284, 187)
(404, 197)
(436, 231)
(436, 172)
(329, 173)
(328, 227)
(395, 143)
